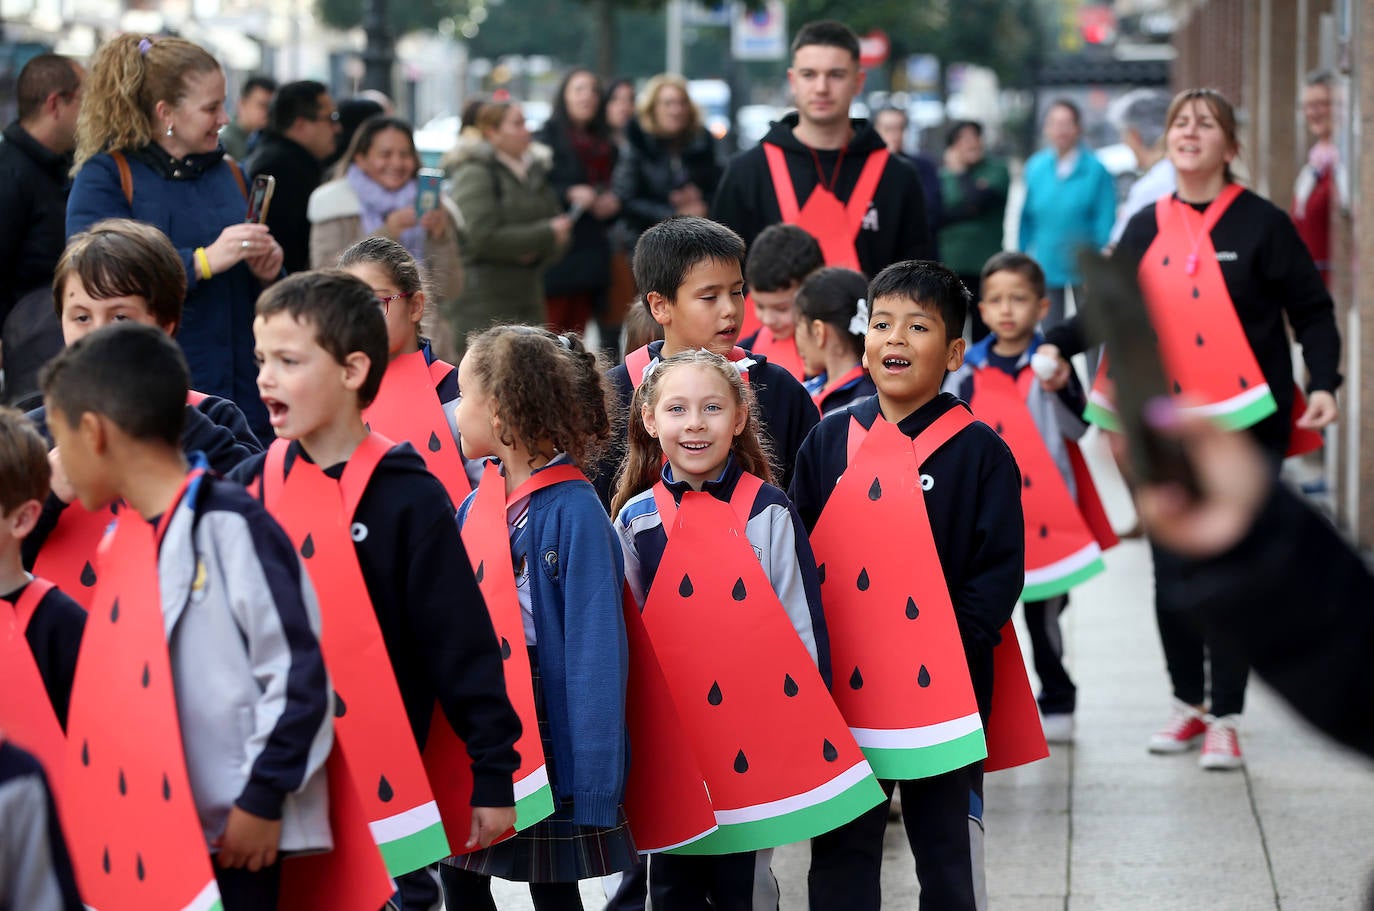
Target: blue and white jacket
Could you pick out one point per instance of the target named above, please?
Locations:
(575, 586)
(775, 532)
(252, 694)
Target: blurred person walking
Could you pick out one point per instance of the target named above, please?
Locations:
(973, 189)
(240, 136)
(1311, 209)
(891, 124)
(1139, 116)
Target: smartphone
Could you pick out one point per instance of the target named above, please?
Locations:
(430, 186)
(1115, 315)
(260, 198)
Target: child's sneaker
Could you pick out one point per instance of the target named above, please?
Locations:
(1185, 727)
(1058, 727)
(1221, 747)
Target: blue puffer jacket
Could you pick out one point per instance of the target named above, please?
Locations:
(191, 200)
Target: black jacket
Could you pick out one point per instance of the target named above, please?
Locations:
(298, 174)
(586, 267)
(33, 214)
(896, 227)
(649, 169)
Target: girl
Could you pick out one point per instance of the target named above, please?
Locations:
(832, 320)
(760, 629)
(536, 403)
(416, 380)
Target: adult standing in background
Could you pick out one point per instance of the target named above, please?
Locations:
(1139, 116)
(620, 107)
(250, 117)
(35, 161)
(824, 172)
(1311, 209)
(583, 160)
(302, 133)
(1070, 204)
(147, 148)
(891, 123)
(973, 190)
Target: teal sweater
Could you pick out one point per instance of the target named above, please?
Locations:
(1062, 215)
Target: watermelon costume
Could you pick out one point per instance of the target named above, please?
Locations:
(67, 556)
(778, 761)
(834, 224)
(1201, 342)
(26, 714)
(131, 824)
(370, 721)
(407, 409)
(782, 352)
(1061, 550)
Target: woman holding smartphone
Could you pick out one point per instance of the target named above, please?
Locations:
(376, 191)
(147, 148)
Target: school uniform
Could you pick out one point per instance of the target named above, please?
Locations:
(35, 869)
(974, 506)
(54, 637)
(850, 388)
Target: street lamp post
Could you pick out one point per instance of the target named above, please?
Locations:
(380, 55)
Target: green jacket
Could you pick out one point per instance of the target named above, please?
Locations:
(507, 242)
(975, 204)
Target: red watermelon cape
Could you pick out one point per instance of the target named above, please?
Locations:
(1061, 550)
(67, 556)
(486, 538)
(407, 409)
(637, 361)
(666, 802)
(370, 721)
(779, 762)
(782, 352)
(26, 712)
(1201, 342)
(131, 824)
(834, 224)
(1015, 733)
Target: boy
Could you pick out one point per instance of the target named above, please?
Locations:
(1013, 304)
(121, 271)
(972, 498)
(56, 621)
(691, 273)
(779, 261)
(322, 344)
(252, 706)
(35, 870)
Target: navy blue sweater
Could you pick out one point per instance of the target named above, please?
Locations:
(973, 500)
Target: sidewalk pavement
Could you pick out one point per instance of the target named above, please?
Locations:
(1102, 824)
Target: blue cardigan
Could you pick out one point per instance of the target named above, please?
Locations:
(216, 331)
(1060, 216)
(577, 577)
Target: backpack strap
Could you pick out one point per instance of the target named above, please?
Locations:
(126, 177)
(236, 171)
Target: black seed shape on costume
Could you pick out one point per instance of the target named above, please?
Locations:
(434, 445)
(145, 675)
(738, 592)
(505, 649)
(114, 611)
(481, 571)
(715, 697)
(87, 575)
(138, 868)
(123, 786)
(384, 791)
(829, 752)
(863, 582)
(340, 707)
(923, 678)
(856, 680)
(1177, 388)
(166, 787)
(1044, 531)
(875, 490)
(741, 763)
(105, 861)
(789, 686)
(685, 587)
(912, 611)
(85, 752)
(1244, 383)
(308, 547)
(1198, 341)
(820, 573)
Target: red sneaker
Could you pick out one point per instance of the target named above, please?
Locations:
(1184, 729)
(1221, 747)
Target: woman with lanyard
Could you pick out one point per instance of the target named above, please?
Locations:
(147, 148)
(1218, 256)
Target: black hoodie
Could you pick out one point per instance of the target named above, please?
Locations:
(895, 228)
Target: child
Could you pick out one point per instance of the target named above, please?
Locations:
(1040, 427)
(567, 571)
(780, 259)
(121, 271)
(690, 271)
(252, 697)
(403, 579)
(36, 872)
(418, 400)
(639, 328)
(54, 621)
(832, 320)
(693, 410)
(959, 496)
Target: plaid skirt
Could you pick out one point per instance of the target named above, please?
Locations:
(555, 850)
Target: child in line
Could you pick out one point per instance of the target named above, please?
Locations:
(37, 873)
(693, 411)
(322, 343)
(403, 412)
(252, 696)
(972, 497)
(117, 271)
(639, 328)
(54, 620)
(832, 320)
(1014, 302)
(780, 259)
(568, 571)
(691, 273)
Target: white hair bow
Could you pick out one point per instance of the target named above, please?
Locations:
(859, 324)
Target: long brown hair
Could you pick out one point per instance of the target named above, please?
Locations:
(129, 75)
(644, 460)
(1221, 110)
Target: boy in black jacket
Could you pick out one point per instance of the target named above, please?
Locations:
(973, 500)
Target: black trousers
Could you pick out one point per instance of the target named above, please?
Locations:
(943, 817)
(466, 891)
(724, 882)
(1058, 695)
(1189, 652)
(240, 890)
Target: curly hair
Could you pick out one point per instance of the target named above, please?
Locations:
(644, 460)
(128, 77)
(548, 390)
